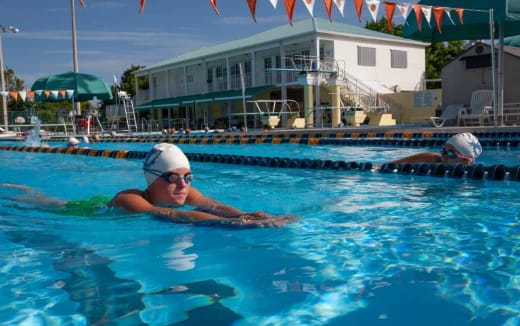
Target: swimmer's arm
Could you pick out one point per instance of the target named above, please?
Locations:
(196, 198)
(426, 157)
(132, 201)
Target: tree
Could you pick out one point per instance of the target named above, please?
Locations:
(12, 82)
(382, 26)
(128, 80)
(437, 54)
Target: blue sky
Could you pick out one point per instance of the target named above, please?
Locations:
(112, 35)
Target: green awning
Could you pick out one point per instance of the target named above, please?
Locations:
(222, 96)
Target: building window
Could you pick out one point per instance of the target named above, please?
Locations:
(189, 78)
(210, 76)
(477, 61)
(366, 56)
(398, 59)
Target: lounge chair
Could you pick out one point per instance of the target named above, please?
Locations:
(450, 113)
(480, 108)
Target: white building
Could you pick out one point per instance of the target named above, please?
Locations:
(203, 87)
(472, 71)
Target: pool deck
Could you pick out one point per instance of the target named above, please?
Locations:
(372, 131)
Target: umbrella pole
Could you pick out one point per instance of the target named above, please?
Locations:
(493, 73)
(500, 85)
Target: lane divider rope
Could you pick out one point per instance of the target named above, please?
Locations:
(477, 171)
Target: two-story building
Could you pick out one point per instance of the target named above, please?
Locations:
(208, 86)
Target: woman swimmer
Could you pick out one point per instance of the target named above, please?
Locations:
(168, 174)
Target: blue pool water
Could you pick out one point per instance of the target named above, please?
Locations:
(369, 248)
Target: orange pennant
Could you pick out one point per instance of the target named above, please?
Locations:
(63, 92)
(418, 15)
(141, 6)
(437, 13)
(328, 8)
(14, 95)
(30, 94)
(390, 8)
(47, 93)
(82, 3)
(252, 8)
(359, 7)
(460, 12)
(289, 7)
(214, 5)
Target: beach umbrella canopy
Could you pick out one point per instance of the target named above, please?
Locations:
(513, 41)
(85, 87)
(474, 25)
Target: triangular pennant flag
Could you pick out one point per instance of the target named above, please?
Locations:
(38, 92)
(274, 3)
(14, 95)
(289, 8)
(47, 93)
(427, 11)
(310, 6)
(252, 8)
(54, 95)
(373, 7)
(142, 3)
(214, 5)
(63, 93)
(328, 8)
(460, 12)
(340, 4)
(4, 93)
(437, 13)
(404, 9)
(418, 16)
(358, 4)
(69, 92)
(390, 8)
(30, 95)
(23, 95)
(448, 13)
(82, 3)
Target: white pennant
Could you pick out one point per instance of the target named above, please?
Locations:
(69, 92)
(4, 94)
(38, 92)
(310, 6)
(404, 9)
(427, 11)
(54, 94)
(447, 11)
(274, 2)
(340, 4)
(22, 94)
(373, 7)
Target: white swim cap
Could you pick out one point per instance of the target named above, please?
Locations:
(73, 141)
(162, 158)
(467, 144)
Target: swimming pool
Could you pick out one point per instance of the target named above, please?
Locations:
(369, 249)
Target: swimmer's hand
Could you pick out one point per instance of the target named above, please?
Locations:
(262, 219)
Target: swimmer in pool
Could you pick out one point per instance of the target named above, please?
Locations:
(169, 177)
(463, 148)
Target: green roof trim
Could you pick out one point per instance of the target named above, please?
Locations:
(222, 96)
(299, 28)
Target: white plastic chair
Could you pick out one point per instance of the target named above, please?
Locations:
(451, 112)
(480, 108)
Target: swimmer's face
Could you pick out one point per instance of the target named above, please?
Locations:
(450, 155)
(172, 187)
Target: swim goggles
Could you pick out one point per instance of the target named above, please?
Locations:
(451, 154)
(172, 177)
